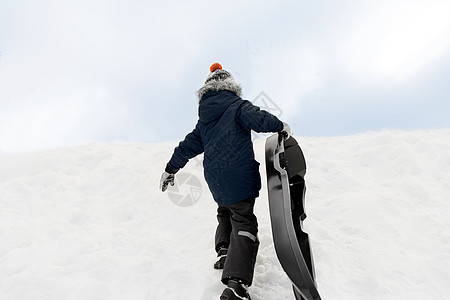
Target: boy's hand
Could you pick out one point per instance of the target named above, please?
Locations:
(166, 178)
(286, 131)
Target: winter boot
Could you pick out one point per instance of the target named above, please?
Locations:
(235, 290)
(222, 255)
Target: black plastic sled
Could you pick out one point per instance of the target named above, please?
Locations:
(286, 168)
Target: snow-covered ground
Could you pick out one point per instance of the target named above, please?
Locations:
(89, 222)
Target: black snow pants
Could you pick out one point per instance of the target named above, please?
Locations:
(238, 229)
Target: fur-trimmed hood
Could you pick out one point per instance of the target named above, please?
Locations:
(215, 83)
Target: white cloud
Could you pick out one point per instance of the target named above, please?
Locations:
(397, 40)
(416, 38)
(288, 74)
(77, 71)
(62, 117)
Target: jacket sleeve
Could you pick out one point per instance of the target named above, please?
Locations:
(190, 147)
(252, 117)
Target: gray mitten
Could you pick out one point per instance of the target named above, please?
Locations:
(166, 178)
(286, 131)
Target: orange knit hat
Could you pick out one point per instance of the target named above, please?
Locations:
(215, 66)
(217, 80)
(217, 73)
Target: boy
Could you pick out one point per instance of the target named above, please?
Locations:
(223, 134)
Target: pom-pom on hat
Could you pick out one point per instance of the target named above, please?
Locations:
(215, 66)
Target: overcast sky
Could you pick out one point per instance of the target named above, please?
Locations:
(75, 72)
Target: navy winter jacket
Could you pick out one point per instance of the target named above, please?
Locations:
(223, 133)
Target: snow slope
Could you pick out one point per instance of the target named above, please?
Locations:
(89, 222)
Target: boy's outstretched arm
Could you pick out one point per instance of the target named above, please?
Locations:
(190, 147)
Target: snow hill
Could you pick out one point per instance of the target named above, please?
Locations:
(89, 222)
